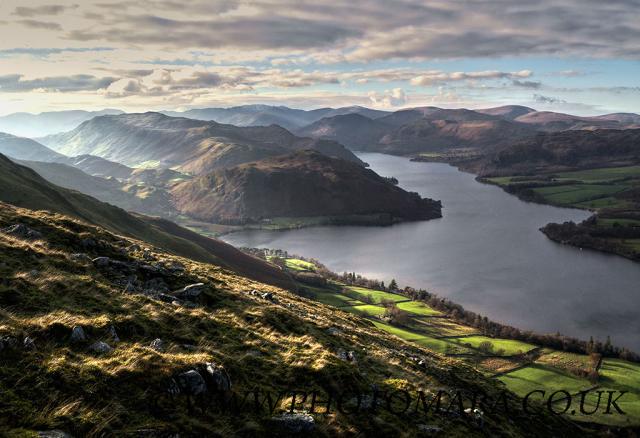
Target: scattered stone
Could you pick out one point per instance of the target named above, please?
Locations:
(146, 255)
(88, 243)
(80, 257)
(113, 334)
(428, 428)
(191, 383)
(8, 342)
(347, 356)
(190, 292)
(268, 296)
(101, 262)
(34, 273)
(122, 267)
(53, 434)
(334, 331)
(216, 377)
(294, 422)
(174, 266)
(155, 285)
(78, 334)
(22, 231)
(157, 345)
(29, 343)
(133, 248)
(101, 347)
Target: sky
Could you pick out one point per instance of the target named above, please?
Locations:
(575, 56)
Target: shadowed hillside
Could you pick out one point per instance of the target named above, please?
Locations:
(303, 184)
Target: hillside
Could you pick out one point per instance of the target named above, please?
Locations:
(88, 352)
(97, 166)
(193, 146)
(22, 148)
(302, 184)
(146, 199)
(426, 129)
(25, 188)
(575, 149)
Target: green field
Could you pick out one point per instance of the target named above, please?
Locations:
(576, 193)
(543, 377)
(510, 346)
(334, 298)
(418, 308)
(366, 309)
(438, 345)
(599, 175)
(377, 295)
(300, 265)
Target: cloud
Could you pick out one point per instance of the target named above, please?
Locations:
(23, 11)
(389, 98)
(526, 84)
(16, 83)
(539, 98)
(43, 52)
(36, 24)
(436, 76)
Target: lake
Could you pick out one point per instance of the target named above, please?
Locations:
(486, 253)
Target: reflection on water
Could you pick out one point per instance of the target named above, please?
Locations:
(486, 253)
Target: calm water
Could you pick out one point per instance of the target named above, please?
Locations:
(486, 253)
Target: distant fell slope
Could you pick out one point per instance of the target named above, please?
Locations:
(194, 146)
(22, 148)
(301, 184)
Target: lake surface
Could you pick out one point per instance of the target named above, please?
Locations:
(486, 253)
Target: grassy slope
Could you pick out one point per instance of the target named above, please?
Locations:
(23, 187)
(260, 343)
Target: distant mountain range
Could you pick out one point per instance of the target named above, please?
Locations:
(39, 125)
(431, 129)
(187, 145)
(265, 115)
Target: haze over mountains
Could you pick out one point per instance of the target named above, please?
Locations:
(188, 145)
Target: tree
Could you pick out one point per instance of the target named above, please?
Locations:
(393, 285)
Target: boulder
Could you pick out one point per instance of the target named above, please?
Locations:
(294, 422)
(347, 356)
(29, 343)
(80, 257)
(8, 342)
(216, 377)
(88, 243)
(78, 334)
(22, 231)
(191, 383)
(157, 345)
(101, 262)
(190, 292)
(133, 248)
(429, 429)
(113, 334)
(101, 347)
